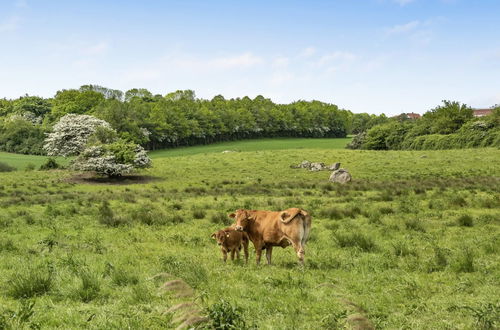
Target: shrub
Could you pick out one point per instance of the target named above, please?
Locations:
(50, 164)
(465, 221)
(6, 167)
(225, 316)
(357, 141)
(34, 281)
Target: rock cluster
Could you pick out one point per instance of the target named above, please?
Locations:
(314, 167)
(339, 175)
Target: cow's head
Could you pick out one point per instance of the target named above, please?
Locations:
(243, 218)
(220, 237)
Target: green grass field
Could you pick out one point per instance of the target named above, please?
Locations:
(20, 162)
(412, 242)
(255, 145)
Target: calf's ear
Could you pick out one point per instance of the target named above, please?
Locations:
(232, 215)
(213, 235)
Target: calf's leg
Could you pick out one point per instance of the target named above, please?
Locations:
(224, 255)
(245, 250)
(232, 254)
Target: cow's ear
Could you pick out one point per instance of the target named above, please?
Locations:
(232, 215)
(213, 235)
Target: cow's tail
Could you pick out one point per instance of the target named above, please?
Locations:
(306, 222)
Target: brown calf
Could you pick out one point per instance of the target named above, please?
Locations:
(231, 241)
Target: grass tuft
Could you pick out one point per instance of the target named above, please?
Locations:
(31, 282)
(355, 239)
(465, 221)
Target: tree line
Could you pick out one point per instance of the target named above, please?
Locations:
(175, 119)
(448, 126)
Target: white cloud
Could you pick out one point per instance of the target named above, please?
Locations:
(281, 61)
(280, 78)
(337, 56)
(308, 52)
(188, 62)
(239, 61)
(404, 28)
(96, 49)
(10, 24)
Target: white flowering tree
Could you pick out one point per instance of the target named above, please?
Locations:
(71, 133)
(96, 145)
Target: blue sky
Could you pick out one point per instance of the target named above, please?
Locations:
(373, 56)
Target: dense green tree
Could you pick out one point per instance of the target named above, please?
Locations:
(75, 101)
(34, 104)
(138, 93)
(6, 107)
(21, 136)
(108, 93)
(447, 118)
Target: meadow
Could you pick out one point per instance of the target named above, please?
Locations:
(23, 162)
(412, 242)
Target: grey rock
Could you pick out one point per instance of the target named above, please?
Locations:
(334, 167)
(340, 176)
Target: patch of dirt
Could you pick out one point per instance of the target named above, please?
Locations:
(90, 178)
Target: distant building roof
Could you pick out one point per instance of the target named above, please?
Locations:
(481, 112)
(410, 115)
(413, 115)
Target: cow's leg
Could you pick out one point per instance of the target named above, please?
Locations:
(224, 255)
(238, 253)
(232, 254)
(269, 252)
(299, 249)
(258, 252)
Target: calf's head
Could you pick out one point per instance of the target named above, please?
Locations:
(220, 237)
(242, 217)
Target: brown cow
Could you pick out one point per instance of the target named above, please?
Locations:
(268, 228)
(231, 241)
